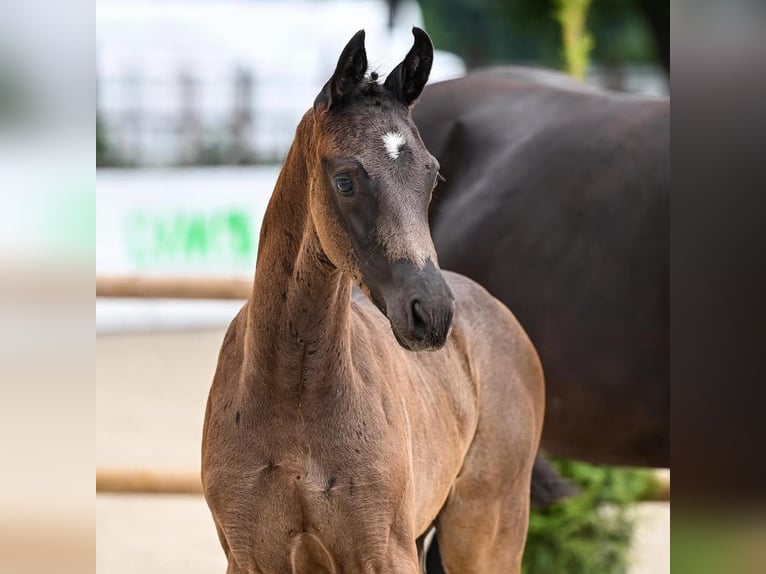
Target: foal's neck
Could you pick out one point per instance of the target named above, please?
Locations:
(298, 315)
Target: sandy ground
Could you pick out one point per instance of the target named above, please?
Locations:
(150, 397)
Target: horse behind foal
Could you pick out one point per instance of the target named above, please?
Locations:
(568, 190)
(327, 446)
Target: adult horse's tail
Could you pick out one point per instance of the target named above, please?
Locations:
(547, 485)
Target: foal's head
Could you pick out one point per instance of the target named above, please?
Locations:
(372, 179)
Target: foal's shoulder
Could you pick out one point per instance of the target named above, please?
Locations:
(494, 334)
(477, 304)
(466, 289)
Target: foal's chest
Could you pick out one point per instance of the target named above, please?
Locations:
(340, 475)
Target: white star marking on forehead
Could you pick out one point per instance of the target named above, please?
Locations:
(394, 141)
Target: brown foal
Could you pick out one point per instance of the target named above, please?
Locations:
(328, 447)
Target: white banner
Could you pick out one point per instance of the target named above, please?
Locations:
(190, 221)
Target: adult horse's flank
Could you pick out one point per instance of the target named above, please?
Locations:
(327, 446)
(557, 201)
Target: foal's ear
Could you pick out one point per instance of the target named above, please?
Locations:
(349, 72)
(407, 80)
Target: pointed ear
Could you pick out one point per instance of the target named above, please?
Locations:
(349, 72)
(407, 80)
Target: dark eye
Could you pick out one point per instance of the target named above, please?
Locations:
(344, 185)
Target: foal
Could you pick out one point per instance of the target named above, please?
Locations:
(328, 447)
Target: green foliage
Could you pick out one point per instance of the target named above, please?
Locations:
(486, 32)
(591, 532)
(577, 42)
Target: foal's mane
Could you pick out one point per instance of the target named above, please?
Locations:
(369, 90)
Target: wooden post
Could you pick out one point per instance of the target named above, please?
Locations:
(173, 287)
(147, 482)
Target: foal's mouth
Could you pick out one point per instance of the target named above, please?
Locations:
(432, 340)
(418, 303)
(423, 345)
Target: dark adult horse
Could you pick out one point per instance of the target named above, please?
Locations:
(556, 199)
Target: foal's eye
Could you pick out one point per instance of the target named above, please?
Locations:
(344, 185)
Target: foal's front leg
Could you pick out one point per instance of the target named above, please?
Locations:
(482, 529)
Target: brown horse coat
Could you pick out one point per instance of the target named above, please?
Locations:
(327, 446)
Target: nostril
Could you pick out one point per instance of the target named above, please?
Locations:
(418, 324)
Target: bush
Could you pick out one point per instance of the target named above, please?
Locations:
(591, 532)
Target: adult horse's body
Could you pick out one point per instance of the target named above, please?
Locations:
(556, 200)
(328, 447)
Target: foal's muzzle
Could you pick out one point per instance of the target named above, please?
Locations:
(420, 306)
